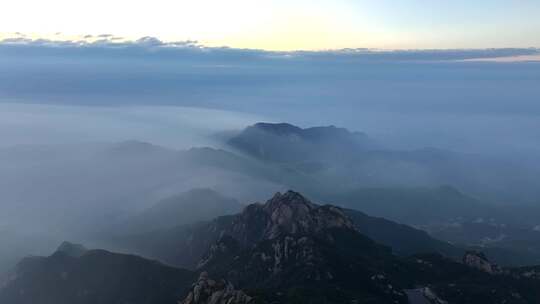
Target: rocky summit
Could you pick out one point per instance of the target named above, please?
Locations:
(288, 221)
(290, 247)
(72, 250)
(286, 214)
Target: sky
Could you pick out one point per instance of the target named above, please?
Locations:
(285, 25)
(460, 75)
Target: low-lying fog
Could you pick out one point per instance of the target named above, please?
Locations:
(174, 127)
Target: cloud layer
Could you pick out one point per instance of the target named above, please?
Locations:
(153, 46)
(413, 98)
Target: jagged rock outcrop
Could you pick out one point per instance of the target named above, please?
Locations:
(432, 297)
(479, 261)
(208, 291)
(285, 214)
(291, 246)
(287, 221)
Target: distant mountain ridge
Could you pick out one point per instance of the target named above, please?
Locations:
(286, 142)
(347, 160)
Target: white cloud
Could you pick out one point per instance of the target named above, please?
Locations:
(151, 43)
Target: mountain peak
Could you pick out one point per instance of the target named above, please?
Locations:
(287, 213)
(311, 133)
(71, 249)
(277, 128)
(287, 142)
(290, 241)
(291, 199)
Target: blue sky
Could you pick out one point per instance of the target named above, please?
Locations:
(285, 25)
(458, 23)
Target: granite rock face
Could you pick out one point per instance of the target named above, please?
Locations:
(208, 291)
(286, 224)
(479, 261)
(290, 249)
(286, 214)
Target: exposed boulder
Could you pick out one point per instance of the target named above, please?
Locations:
(208, 291)
(479, 261)
(432, 297)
